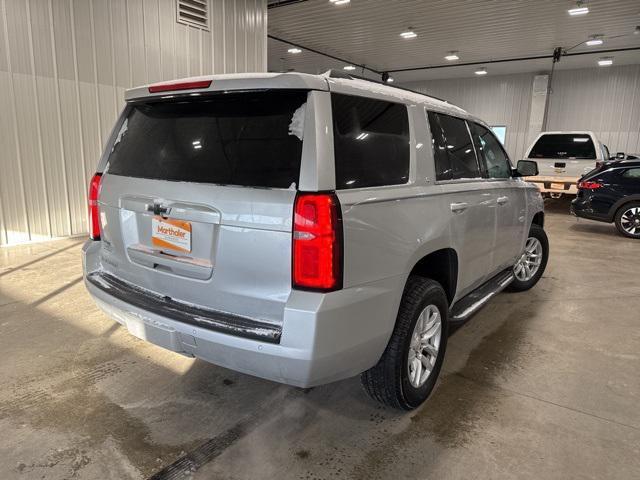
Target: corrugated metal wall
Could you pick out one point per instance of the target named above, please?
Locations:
(501, 100)
(604, 100)
(64, 66)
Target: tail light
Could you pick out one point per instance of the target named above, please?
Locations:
(317, 242)
(94, 214)
(589, 185)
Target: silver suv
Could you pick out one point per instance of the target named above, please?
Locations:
(307, 228)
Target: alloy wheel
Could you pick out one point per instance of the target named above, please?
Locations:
(424, 346)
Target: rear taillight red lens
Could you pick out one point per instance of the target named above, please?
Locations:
(588, 185)
(317, 242)
(94, 214)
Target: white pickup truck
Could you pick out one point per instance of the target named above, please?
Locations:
(564, 157)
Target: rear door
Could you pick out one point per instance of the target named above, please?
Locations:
(509, 193)
(469, 197)
(197, 196)
(569, 155)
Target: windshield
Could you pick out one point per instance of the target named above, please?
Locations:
(565, 145)
(244, 138)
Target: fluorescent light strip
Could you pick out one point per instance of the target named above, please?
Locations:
(594, 41)
(349, 67)
(409, 34)
(481, 71)
(578, 11)
(452, 56)
(605, 61)
(294, 50)
(339, 2)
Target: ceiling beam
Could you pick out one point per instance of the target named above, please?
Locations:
(507, 60)
(313, 50)
(284, 3)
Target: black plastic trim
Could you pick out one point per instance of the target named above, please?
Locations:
(167, 307)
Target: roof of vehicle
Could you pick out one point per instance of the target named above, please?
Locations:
(296, 80)
(568, 132)
(623, 163)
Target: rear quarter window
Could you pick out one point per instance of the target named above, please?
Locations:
(565, 145)
(246, 139)
(371, 142)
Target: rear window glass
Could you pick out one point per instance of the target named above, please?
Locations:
(246, 139)
(565, 145)
(371, 142)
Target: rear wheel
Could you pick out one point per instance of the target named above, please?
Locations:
(407, 372)
(531, 264)
(628, 220)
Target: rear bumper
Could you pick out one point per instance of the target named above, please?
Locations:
(324, 337)
(565, 185)
(582, 208)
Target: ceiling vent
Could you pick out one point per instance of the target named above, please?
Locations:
(194, 13)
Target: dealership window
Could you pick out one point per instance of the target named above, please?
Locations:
(500, 132)
(371, 142)
(452, 148)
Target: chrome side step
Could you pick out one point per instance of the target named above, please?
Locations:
(474, 301)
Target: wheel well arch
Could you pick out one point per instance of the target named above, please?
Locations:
(621, 203)
(538, 219)
(441, 266)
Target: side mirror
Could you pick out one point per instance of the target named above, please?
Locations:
(620, 156)
(526, 168)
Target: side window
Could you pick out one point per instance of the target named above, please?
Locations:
(371, 142)
(452, 149)
(496, 162)
(632, 173)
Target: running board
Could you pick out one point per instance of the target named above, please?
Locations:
(474, 301)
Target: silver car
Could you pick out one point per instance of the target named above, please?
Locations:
(307, 228)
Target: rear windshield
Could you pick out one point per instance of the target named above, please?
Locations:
(565, 145)
(246, 138)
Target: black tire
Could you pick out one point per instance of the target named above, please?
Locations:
(517, 285)
(388, 381)
(618, 220)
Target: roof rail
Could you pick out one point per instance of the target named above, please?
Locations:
(350, 76)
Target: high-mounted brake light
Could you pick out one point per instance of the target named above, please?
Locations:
(173, 86)
(587, 185)
(94, 214)
(317, 242)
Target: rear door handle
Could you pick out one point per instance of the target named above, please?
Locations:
(502, 200)
(459, 207)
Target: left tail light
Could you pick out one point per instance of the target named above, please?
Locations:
(94, 214)
(317, 242)
(588, 185)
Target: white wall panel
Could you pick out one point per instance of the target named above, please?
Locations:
(604, 100)
(64, 66)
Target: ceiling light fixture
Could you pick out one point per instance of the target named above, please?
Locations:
(390, 80)
(579, 9)
(294, 50)
(481, 71)
(605, 61)
(409, 34)
(349, 67)
(595, 40)
(452, 56)
(339, 2)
